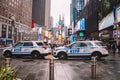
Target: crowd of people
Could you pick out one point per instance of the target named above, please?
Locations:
(114, 47)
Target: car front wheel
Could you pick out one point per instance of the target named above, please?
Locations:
(35, 55)
(7, 54)
(62, 55)
(97, 55)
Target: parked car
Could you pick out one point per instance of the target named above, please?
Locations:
(82, 49)
(35, 49)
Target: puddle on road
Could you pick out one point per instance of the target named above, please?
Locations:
(41, 73)
(28, 60)
(113, 69)
(30, 76)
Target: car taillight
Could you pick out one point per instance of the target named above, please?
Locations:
(44, 47)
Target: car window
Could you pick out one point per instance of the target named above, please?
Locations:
(75, 45)
(39, 43)
(99, 43)
(19, 44)
(89, 44)
(83, 45)
(45, 43)
(28, 44)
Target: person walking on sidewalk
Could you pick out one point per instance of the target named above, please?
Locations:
(118, 46)
(114, 47)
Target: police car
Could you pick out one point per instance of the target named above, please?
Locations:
(82, 48)
(35, 49)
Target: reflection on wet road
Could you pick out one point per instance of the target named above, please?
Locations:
(71, 69)
(29, 69)
(113, 68)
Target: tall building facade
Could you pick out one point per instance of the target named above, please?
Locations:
(99, 18)
(76, 9)
(19, 9)
(41, 12)
(15, 18)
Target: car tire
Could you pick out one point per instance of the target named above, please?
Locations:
(7, 54)
(62, 55)
(97, 55)
(35, 55)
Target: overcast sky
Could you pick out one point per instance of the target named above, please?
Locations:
(60, 7)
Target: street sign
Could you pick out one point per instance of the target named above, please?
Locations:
(116, 34)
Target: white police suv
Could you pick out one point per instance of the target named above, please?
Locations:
(82, 48)
(35, 49)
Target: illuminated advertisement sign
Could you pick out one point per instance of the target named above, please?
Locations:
(118, 14)
(60, 22)
(82, 24)
(109, 19)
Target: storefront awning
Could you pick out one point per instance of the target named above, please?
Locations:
(106, 22)
(6, 40)
(9, 40)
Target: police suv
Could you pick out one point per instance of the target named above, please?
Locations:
(35, 49)
(82, 48)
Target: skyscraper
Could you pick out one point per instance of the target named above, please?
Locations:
(76, 9)
(41, 12)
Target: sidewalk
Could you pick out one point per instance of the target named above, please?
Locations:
(77, 71)
(2, 48)
(71, 69)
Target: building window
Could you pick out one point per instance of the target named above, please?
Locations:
(10, 32)
(4, 30)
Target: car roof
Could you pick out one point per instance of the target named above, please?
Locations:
(89, 41)
(31, 41)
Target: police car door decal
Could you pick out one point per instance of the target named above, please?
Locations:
(79, 49)
(74, 49)
(85, 49)
(17, 48)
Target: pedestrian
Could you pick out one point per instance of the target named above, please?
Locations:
(108, 46)
(114, 47)
(118, 46)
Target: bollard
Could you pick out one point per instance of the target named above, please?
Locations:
(8, 61)
(93, 68)
(51, 69)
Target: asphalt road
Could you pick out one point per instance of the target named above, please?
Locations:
(71, 69)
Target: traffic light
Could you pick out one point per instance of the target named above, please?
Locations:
(69, 31)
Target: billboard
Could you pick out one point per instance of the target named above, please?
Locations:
(82, 24)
